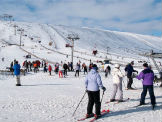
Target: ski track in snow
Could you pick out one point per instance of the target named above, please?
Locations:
(49, 98)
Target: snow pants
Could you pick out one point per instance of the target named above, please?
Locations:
(94, 97)
(77, 72)
(18, 80)
(60, 74)
(117, 88)
(151, 92)
(49, 72)
(130, 81)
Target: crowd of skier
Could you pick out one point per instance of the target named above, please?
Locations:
(93, 81)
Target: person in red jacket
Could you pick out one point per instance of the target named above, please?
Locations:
(49, 69)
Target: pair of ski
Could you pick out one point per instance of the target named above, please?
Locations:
(116, 101)
(104, 112)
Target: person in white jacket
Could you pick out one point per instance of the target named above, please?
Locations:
(117, 84)
(93, 83)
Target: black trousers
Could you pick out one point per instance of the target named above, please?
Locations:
(65, 72)
(144, 93)
(130, 81)
(77, 72)
(94, 97)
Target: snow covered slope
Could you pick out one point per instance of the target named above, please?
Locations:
(44, 98)
(48, 42)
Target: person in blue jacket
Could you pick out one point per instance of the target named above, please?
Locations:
(129, 70)
(16, 68)
(92, 83)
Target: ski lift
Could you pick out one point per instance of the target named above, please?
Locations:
(94, 50)
(68, 45)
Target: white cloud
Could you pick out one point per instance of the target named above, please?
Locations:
(92, 13)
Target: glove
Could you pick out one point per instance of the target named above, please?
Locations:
(103, 88)
(137, 72)
(86, 90)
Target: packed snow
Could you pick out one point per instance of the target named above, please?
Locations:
(44, 98)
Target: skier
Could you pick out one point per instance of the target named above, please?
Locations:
(129, 70)
(93, 82)
(65, 66)
(90, 66)
(107, 71)
(84, 67)
(49, 69)
(71, 66)
(30, 65)
(16, 68)
(61, 70)
(148, 77)
(3, 59)
(77, 69)
(56, 68)
(35, 67)
(11, 67)
(45, 67)
(117, 83)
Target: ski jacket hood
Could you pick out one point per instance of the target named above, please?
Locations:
(93, 81)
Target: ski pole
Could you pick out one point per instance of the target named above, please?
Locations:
(79, 103)
(102, 96)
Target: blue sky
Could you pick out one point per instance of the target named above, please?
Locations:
(137, 16)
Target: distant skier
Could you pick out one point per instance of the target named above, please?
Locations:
(61, 70)
(107, 71)
(56, 68)
(45, 67)
(84, 67)
(71, 66)
(30, 65)
(16, 68)
(129, 70)
(77, 69)
(11, 67)
(49, 69)
(35, 67)
(117, 83)
(3, 59)
(148, 77)
(93, 82)
(65, 66)
(90, 66)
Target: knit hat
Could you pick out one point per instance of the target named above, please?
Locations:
(145, 65)
(94, 66)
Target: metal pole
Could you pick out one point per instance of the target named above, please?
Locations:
(72, 50)
(20, 38)
(102, 96)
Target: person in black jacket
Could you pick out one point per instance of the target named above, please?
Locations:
(129, 70)
(65, 66)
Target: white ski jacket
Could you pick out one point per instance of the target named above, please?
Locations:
(93, 81)
(117, 76)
